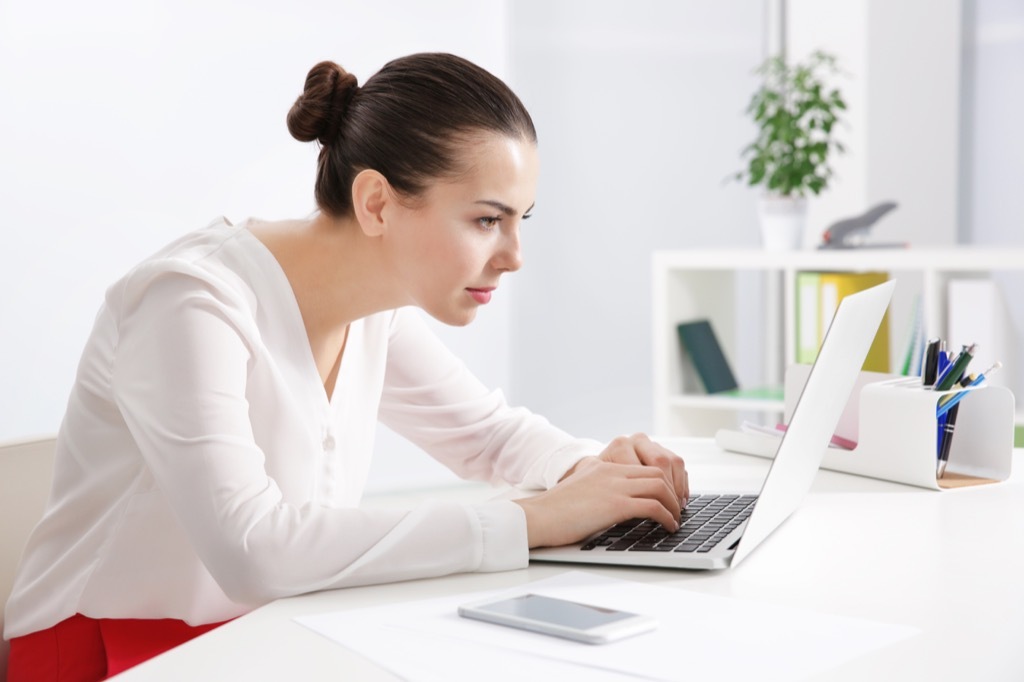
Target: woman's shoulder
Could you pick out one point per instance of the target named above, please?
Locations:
(208, 244)
(216, 259)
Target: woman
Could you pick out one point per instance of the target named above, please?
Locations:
(220, 428)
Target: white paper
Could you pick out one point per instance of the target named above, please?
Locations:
(698, 635)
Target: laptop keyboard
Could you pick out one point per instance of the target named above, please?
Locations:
(705, 522)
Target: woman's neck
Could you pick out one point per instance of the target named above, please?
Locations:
(335, 270)
(337, 276)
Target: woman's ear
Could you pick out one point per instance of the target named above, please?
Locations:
(370, 195)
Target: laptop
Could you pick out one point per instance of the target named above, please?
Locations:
(720, 530)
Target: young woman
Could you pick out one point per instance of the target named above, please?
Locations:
(219, 432)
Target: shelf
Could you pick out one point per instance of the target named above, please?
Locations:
(962, 259)
(748, 296)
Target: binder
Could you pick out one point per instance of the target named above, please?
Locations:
(808, 317)
(834, 286)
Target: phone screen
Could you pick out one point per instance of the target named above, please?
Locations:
(558, 611)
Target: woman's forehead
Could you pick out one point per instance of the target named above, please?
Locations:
(497, 165)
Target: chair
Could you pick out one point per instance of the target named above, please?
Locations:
(26, 470)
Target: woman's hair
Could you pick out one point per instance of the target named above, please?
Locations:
(407, 122)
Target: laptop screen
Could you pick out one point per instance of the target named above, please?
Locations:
(817, 412)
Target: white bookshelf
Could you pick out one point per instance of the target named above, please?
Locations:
(749, 297)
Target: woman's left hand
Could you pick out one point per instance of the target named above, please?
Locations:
(639, 449)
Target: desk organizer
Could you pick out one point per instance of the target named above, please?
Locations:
(893, 422)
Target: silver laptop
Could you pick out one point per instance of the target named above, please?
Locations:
(720, 530)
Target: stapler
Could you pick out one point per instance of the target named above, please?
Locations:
(851, 233)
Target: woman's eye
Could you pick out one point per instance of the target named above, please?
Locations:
(489, 222)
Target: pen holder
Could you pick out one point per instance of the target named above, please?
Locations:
(897, 434)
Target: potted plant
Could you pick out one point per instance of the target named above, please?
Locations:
(796, 115)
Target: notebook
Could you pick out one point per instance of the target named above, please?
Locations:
(815, 415)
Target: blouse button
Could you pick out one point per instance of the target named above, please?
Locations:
(329, 442)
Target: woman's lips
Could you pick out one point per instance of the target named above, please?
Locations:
(481, 296)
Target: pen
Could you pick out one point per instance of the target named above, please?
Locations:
(931, 363)
(956, 368)
(948, 402)
(945, 432)
(943, 361)
(947, 440)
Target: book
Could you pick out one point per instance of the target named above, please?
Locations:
(701, 345)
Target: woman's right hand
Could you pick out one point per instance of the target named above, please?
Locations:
(598, 495)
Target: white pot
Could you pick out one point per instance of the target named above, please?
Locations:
(782, 222)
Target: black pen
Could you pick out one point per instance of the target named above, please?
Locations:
(931, 362)
(947, 439)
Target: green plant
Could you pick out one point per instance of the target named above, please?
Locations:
(796, 115)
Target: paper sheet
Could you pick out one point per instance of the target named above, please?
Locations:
(698, 635)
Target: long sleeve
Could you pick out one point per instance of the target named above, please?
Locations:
(201, 469)
(192, 421)
(431, 398)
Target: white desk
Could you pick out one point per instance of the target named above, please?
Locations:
(950, 563)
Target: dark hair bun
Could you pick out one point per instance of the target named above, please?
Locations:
(318, 112)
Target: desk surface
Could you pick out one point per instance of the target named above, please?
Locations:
(949, 563)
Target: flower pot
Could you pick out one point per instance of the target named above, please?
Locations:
(782, 222)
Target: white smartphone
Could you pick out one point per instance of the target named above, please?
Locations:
(562, 618)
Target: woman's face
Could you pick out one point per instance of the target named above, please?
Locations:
(452, 246)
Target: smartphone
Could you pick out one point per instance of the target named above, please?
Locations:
(561, 618)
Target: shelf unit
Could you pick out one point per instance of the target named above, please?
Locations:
(749, 296)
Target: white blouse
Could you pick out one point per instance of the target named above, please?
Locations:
(201, 470)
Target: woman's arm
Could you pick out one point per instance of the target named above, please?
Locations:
(432, 398)
(633, 478)
(179, 375)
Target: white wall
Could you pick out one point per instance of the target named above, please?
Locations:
(994, 78)
(128, 122)
(902, 83)
(992, 177)
(639, 109)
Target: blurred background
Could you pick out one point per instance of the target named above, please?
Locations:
(126, 123)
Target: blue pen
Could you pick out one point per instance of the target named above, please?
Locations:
(942, 361)
(957, 397)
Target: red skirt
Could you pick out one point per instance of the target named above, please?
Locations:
(82, 649)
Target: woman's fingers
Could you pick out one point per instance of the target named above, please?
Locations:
(633, 477)
(656, 500)
(654, 455)
(631, 487)
(639, 449)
